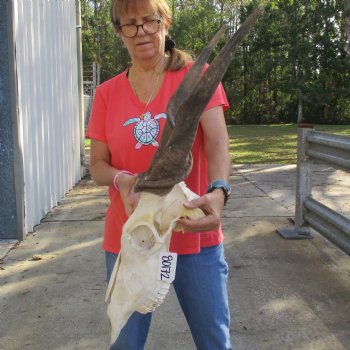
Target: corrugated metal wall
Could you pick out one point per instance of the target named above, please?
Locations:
(46, 55)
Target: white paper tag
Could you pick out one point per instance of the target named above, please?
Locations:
(167, 267)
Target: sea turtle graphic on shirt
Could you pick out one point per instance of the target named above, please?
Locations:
(146, 129)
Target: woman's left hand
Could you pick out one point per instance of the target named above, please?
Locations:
(130, 199)
(212, 205)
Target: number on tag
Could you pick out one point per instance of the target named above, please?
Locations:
(167, 267)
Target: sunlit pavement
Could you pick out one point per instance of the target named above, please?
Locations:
(283, 294)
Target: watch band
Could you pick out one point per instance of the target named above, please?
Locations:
(223, 185)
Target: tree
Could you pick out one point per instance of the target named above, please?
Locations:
(100, 42)
(294, 60)
(347, 25)
(291, 67)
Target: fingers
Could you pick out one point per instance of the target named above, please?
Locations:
(128, 196)
(130, 201)
(211, 204)
(206, 223)
(128, 209)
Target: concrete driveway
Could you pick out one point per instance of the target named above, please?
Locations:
(283, 294)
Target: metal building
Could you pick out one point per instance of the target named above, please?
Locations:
(41, 117)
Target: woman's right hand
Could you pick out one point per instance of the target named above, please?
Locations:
(130, 199)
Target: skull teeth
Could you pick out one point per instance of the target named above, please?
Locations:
(134, 285)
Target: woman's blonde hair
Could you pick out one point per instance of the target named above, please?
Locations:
(177, 58)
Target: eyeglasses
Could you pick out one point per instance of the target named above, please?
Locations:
(149, 27)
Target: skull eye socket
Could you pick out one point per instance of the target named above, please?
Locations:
(142, 237)
(167, 215)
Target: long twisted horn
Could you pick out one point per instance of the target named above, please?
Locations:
(172, 162)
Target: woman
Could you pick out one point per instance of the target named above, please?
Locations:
(119, 152)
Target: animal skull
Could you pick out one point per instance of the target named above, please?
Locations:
(134, 284)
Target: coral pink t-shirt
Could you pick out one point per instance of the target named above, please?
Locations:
(116, 119)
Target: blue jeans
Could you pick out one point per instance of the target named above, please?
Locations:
(201, 288)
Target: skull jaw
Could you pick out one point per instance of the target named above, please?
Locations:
(146, 234)
(134, 291)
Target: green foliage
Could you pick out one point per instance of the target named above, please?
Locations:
(293, 57)
(295, 53)
(99, 41)
(207, 21)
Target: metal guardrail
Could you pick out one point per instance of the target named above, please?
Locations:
(333, 150)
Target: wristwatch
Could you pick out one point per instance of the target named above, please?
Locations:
(223, 185)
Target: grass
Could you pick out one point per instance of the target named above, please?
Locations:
(270, 144)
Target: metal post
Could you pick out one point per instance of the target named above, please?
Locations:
(11, 158)
(98, 78)
(80, 83)
(301, 229)
(94, 77)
